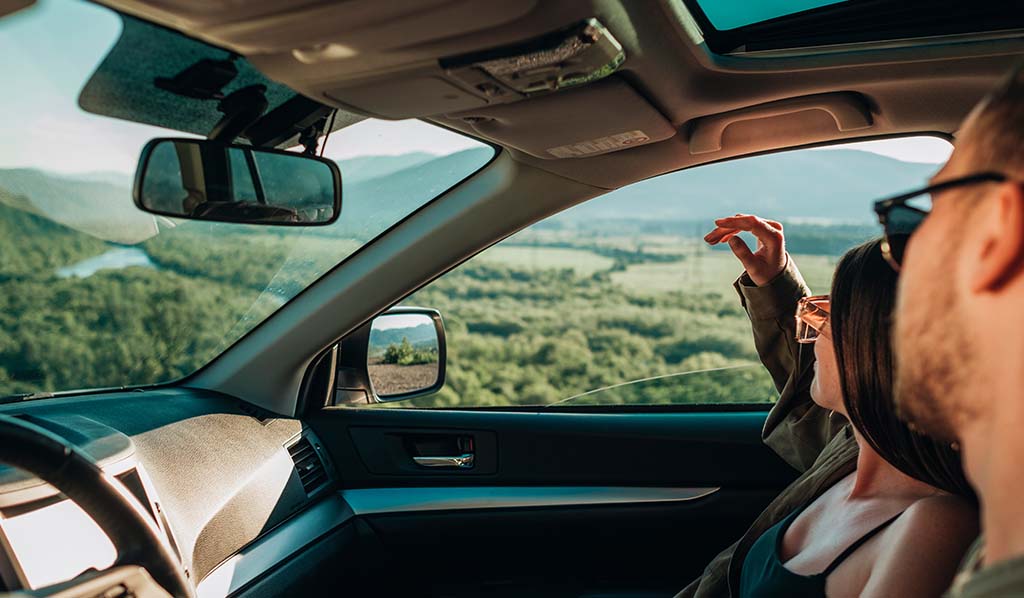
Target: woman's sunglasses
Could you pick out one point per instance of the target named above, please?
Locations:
(811, 317)
(901, 215)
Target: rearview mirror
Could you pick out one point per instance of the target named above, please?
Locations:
(198, 179)
(398, 355)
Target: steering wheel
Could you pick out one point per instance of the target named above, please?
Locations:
(130, 528)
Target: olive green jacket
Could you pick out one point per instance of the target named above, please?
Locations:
(819, 446)
(975, 580)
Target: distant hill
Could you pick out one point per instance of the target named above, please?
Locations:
(375, 193)
(365, 168)
(816, 186)
(100, 209)
(118, 179)
(38, 245)
(423, 336)
(811, 186)
(833, 185)
(380, 201)
(18, 220)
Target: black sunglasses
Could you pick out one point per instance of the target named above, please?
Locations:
(900, 219)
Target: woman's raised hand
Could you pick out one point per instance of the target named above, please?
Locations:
(762, 265)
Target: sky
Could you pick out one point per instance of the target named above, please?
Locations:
(48, 52)
(928, 150)
(729, 14)
(390, 321)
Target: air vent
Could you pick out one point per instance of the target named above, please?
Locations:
(308, 465)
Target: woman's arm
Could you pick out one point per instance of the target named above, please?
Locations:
(796, 428)
(769, 289)
(771, 308)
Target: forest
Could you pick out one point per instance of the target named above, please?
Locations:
(642, 310)
(531, 324)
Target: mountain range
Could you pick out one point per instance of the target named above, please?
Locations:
(822, 186)
(833, 186)
(421, 336)
(96, 207)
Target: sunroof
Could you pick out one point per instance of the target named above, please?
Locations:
(731, 26)
(730, 14)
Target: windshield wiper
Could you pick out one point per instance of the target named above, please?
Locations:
(648, 379)
(25, 396)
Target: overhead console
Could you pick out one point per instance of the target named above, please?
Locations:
(565, 76)
(515, 71)
(581, 52)
(405, 58)
(539, 96)
(572, 56)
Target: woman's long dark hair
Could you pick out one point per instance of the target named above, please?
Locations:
(863, 299)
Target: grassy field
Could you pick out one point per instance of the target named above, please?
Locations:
(701, 270)
(581, 261)
(558, 315)
(713, 271)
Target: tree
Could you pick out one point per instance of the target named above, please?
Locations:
(400, 354)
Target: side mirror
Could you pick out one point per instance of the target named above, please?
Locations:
(398, 355)
(199, 179)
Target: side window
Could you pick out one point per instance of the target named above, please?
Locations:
(619, 301)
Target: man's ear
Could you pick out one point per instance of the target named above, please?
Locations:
(1002, 251)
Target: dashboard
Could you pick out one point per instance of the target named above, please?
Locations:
(253, 504)
(216, 477)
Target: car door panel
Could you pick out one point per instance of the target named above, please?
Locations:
(568, 503)
(717, 448)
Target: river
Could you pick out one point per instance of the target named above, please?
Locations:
(117, 258)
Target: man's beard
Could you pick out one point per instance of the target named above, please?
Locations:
(933, 361)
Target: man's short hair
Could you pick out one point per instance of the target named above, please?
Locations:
(994, 139)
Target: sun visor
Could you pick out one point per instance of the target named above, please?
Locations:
(601, 118)
(157, 76)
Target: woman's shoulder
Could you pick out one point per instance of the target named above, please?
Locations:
(932, 525)
(945, 514)
(919, 553)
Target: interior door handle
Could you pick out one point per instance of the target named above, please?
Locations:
(464, 461)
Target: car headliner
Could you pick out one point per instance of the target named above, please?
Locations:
(670, 79)
(908, 86)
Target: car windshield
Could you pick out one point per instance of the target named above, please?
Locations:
(98, 294)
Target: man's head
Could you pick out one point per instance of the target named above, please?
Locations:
(960, 310)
